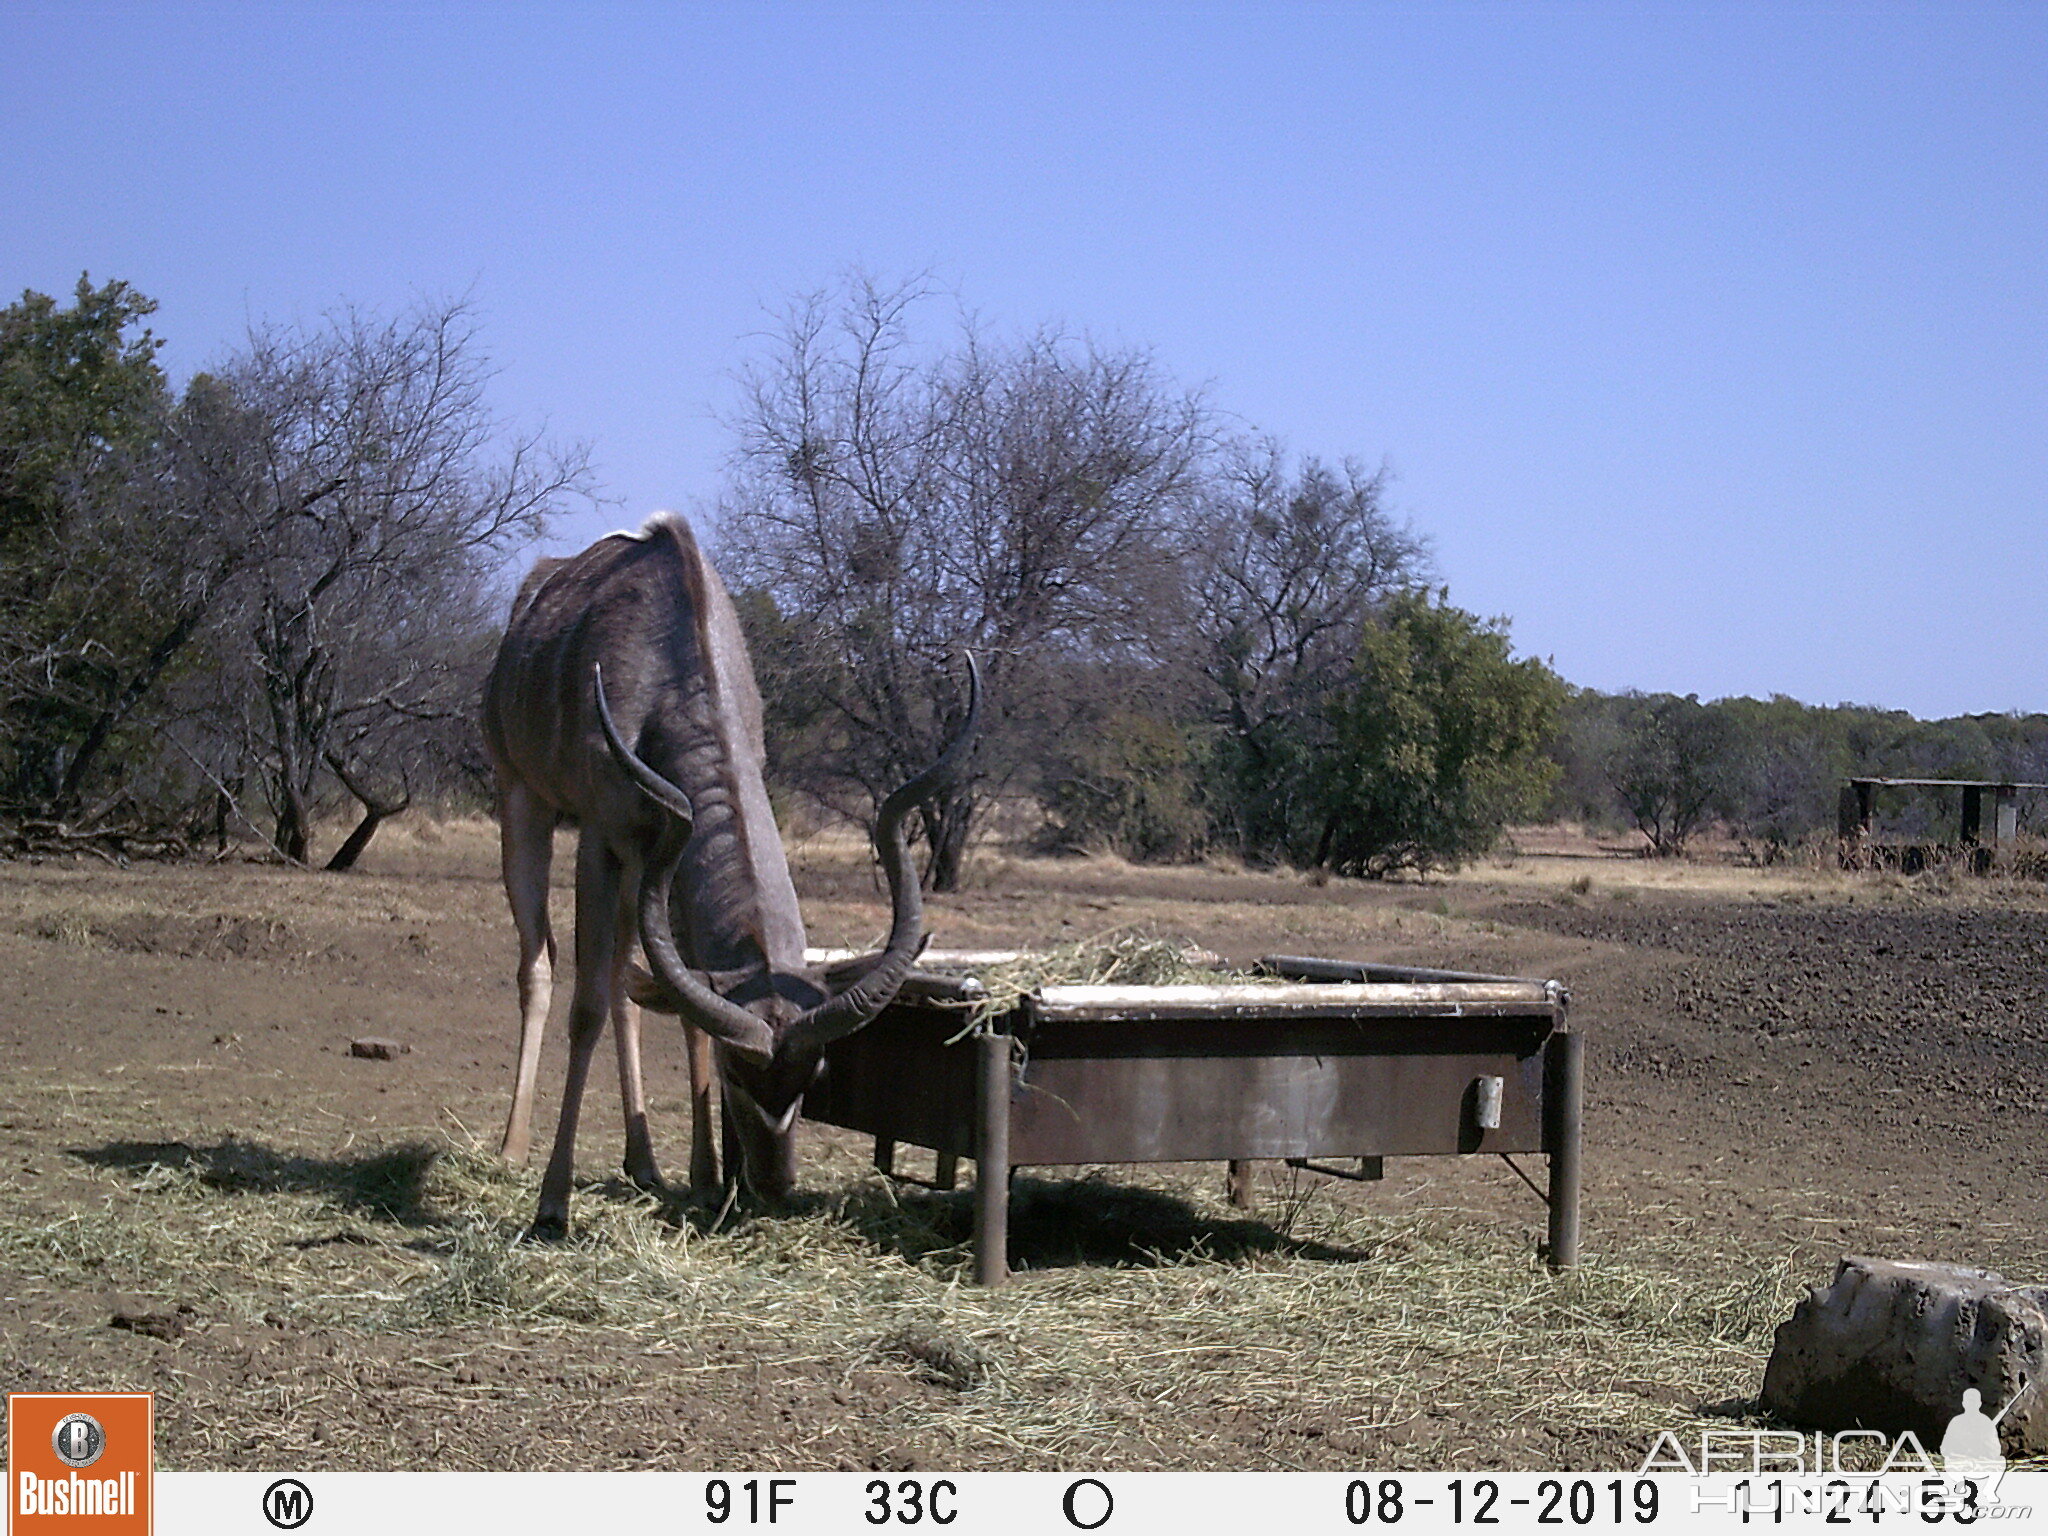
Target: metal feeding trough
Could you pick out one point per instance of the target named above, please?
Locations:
(1346, 1061)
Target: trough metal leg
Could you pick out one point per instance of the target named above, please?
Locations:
(1564, 1058)
(992, 1162)
(1239, 1183)
(945, 1167)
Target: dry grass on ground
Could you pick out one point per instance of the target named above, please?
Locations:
(1357, 1323)
(1780, 1069)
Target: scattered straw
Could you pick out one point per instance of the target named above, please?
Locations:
(1154, 1326)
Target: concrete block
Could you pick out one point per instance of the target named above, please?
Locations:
(1892, 1345)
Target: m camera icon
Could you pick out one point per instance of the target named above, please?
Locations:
(287, 1503)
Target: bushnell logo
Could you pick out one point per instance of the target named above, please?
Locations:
(78, 1440)
(79, 1463)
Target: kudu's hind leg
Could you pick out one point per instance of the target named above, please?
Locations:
(703, 1094)
(729, 1144)
(600, 880)
(526, 837)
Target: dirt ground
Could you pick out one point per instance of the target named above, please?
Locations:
(1783, 1066)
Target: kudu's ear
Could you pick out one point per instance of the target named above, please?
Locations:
(645, 988)
(647, 992)
(841, 974)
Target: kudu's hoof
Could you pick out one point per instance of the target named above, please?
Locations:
(548, 1228)
(646, 1180)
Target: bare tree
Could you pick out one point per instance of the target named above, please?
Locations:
(1674, 763)
(275, 584)
(171, 543)
(1294, 562)
(376, 496)
(1032, 499)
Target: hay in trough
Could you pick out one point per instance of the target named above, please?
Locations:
(1130, 957)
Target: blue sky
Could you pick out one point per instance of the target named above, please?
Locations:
(1708, 342)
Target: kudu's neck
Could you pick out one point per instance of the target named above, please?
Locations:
(735, 897)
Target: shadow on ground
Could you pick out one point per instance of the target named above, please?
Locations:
(1059, 1223)
(389, 1185)
(1053, 1224)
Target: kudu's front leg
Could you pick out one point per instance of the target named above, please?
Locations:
(600, 885)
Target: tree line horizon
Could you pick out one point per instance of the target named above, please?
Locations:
(239, 606)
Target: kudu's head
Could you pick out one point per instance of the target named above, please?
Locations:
(772, 1025)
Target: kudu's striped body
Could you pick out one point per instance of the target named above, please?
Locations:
(623, 701)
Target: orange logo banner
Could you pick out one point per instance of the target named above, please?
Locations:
(80, 1462)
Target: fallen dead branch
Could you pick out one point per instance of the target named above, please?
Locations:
(116, 844)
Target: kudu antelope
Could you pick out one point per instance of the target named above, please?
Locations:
(622, 700)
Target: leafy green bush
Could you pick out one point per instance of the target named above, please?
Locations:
(1437, 741)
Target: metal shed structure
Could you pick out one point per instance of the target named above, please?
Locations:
(1346, 1060)
(1858, 804)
